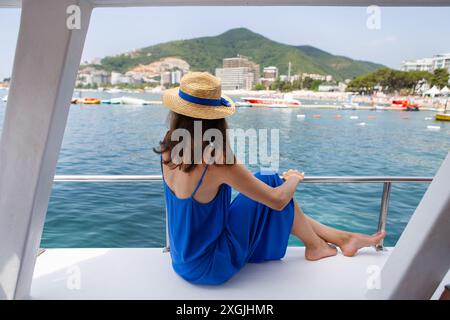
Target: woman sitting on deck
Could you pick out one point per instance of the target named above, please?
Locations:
(211, 237)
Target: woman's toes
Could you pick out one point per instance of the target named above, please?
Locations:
(358, 241)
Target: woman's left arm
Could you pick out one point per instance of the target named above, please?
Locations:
(240, 178)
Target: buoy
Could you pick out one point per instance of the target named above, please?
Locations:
(316, 115)
(433, 128)
(354, 117)
(338, 116)
(361, 124)
(301, 116)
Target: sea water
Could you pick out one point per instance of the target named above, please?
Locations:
(118, 139)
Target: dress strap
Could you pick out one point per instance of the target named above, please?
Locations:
(200, 181)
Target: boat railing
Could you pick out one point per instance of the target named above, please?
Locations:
(387, 182)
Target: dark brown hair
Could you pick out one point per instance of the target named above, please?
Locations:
(179, 121)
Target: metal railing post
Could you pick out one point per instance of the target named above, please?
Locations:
(383, 211)
(167, 247)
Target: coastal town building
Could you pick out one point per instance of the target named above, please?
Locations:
(316, 76)
(93, 76)
(165, 78)
(240, 78)
(329, 87)
(171, 77)
(169, 70)
(242, 61)
(269, 75)
(442, 61)
(238, 73)
(418, 65)
(290, 78)
(439, 61)
(119, 78)
(166, 71)
(270, 72)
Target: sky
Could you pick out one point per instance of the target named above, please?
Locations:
(404, 33)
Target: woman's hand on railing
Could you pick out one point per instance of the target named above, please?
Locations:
(293, 174)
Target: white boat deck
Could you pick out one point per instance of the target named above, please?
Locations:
(147, 274)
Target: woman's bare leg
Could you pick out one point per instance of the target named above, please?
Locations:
(348, 242)
(315, 247)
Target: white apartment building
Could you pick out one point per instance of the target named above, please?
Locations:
(171, 77)
(90, 76)
(425, 64)
(239, 78)
(117, 78)
(175, 76)
(440, 61)
(315, 76)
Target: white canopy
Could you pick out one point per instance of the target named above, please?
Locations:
(445, 90)
(432, 92)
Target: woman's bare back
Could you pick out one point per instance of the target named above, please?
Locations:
(183, 183)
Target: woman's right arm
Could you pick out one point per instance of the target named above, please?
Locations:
(241, 179)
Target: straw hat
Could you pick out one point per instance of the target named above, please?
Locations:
(199, 96)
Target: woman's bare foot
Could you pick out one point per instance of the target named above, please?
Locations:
(356, 241)
(324, 250)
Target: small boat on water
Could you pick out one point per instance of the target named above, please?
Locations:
(5, 98)
(134, 101)
(89, 101)
(85, 101)
(113, 90)
(121, 100)
(350, 106)
(112, 101)
(406, 105)
(242, 104)
(442, 116)
(272, 102)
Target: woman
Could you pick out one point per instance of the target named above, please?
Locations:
(211, 237)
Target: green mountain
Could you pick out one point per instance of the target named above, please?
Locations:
(206, 54)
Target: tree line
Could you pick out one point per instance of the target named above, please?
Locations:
(286, 86)
(389, 81)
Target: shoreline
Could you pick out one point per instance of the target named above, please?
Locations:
(338, 98)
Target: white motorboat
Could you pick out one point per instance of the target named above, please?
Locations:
(350, 106)
(133, 101)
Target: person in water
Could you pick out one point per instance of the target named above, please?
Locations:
(211, 237)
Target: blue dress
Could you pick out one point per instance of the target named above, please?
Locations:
(211, 242)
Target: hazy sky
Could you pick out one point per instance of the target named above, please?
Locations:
(405, 33)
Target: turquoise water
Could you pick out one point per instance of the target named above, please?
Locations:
(118, 140)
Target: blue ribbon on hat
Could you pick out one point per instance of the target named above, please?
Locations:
(205, 102)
